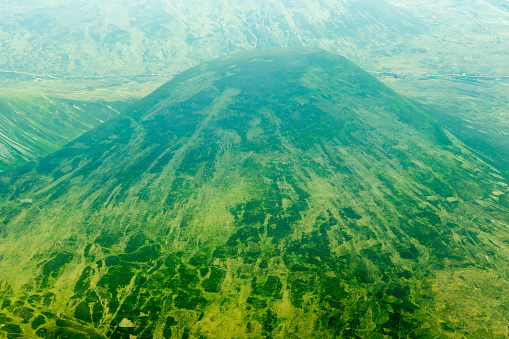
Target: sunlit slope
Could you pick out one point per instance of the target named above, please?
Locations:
(31, 127)
(460, 70)
(282, 193)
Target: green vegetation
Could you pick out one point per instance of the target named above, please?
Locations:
(32, 127)
(272, 194)
(449, 55)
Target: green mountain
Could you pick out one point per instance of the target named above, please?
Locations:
(98, 51)
(450, 55)
(280, 193)
(32, 127)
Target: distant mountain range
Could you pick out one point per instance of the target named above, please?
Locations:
(97, 38)
(277, 193)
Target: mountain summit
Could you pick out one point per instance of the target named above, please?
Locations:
(281, 193)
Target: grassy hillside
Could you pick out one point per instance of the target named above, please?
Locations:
(460, 70)
(450, 55)
(104, 51)
(31, 127)
(283, 193)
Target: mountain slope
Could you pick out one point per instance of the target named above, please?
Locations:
(32, 127)
(113, 50)
(275, 193)
(450, 55)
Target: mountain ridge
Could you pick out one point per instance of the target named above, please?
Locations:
(32, 127)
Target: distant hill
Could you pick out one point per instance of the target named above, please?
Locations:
(32, 127)
(280, 193)
(112, 38)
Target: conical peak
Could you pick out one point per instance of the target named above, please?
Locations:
(283, 179)
(263, 73)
